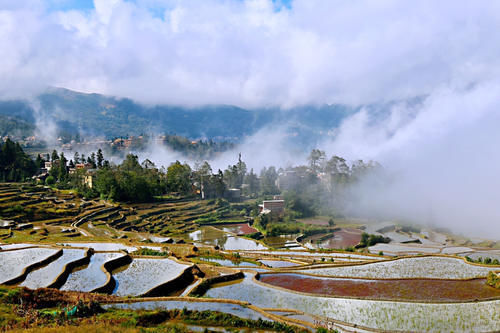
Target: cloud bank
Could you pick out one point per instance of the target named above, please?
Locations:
(441, 157)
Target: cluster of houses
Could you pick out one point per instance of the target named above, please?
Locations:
(87, 178)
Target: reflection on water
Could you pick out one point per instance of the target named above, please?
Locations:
(278, 263)
(92, 276)
(46, 275)
(227, 262)
(234, 309)
(224, 240)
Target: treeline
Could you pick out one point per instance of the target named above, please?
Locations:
(202, 149)
(194, 149)
(319, 188)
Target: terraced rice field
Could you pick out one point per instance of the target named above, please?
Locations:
(92, 276)
(384, 315)
(399, 237)
(102, 246)
(12, 263)
(423, 267)
(342, 239)
(316, 255)
(215, 237)
(44, 276)
(229, 263)
(400, 249)
(15, 246)
(282, 241)
(455, 249)
(143, 275)
(278, 263)
(173, 217)
(234, 309)
(405, 290)
(494, 254)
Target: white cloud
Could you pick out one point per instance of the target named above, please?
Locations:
(248, 53)
(441, 157)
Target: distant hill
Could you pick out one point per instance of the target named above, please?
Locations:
(97, 114)
(15, 126)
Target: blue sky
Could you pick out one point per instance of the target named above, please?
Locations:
(85, 5)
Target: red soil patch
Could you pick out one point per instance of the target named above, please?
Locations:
(341, 239)
(240, 229)
(415, 289)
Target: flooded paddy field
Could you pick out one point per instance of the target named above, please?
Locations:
(234, 309)
(341, 239)
(13, 263)
(316, 255)
(494, 254)
(104, 247)
(403, 249)
(382, 315)
(44, 276)
(278, 263)
(405, 290)
(282, 241)
(224, 240)
(420, 267)
(229, 263)
(5, 247)
(144, 274)
(91, 276)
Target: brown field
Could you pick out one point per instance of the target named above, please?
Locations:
(343, 238)
(406, 290)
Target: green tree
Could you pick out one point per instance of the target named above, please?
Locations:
(316, 159)
(179, 178)
(100, 158)
(268, 179)
(76, 158)
(39, 162)
(252, 181)
(54, 156)
(62, 172)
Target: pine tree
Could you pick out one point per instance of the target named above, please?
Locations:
(100, 158)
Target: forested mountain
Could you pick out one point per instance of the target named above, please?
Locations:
(96, 114)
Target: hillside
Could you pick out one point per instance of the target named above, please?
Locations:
(96, 114)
